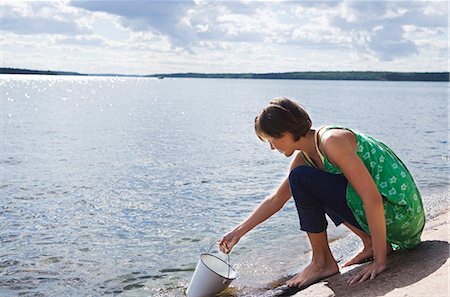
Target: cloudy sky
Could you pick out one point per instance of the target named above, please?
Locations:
(142, 37)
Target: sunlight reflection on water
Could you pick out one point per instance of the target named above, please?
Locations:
(116, 185)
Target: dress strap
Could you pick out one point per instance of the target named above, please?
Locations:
(307, 159)
(318, 140)
(317, 145)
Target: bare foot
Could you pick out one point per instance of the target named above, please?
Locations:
(363, 256)
(312, 274)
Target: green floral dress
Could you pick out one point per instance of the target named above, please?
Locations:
(403, 208)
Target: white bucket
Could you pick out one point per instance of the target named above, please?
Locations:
(211, 276)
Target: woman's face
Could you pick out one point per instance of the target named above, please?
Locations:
(284, 144)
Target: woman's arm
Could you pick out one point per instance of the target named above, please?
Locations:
(262, 212)
(340, 147)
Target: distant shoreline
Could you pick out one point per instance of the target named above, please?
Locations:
(308, 75)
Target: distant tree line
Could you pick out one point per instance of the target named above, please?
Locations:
(41, 72)
(319, 75)
(323, 75)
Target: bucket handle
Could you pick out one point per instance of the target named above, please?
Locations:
(228, 255)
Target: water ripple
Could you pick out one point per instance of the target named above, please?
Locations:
(115, 186)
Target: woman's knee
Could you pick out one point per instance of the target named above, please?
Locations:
(299, 174)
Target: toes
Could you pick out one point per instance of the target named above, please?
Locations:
(295, 282)
(290, 283)
(349, 263)
(360, 258)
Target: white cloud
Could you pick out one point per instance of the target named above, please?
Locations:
(165, 17)
(81, 40)
(164, 36)
(378, 28)
(36, 19)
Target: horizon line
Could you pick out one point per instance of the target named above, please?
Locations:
(291, 75)
(200, 72)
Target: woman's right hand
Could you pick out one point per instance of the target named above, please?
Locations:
(228, 241)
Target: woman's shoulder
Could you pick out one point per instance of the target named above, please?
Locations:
(335, 134)
(336, 139)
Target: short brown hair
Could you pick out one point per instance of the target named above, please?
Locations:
(280, 116)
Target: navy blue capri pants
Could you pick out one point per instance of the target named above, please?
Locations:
(317, 193)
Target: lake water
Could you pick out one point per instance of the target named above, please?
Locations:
(114, 186)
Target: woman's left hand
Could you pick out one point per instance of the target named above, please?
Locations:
(369, 272)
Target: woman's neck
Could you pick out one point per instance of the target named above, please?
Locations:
(307, 142)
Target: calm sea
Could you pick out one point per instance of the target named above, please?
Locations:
(114, 186)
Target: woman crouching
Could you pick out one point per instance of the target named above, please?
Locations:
(353, 178)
